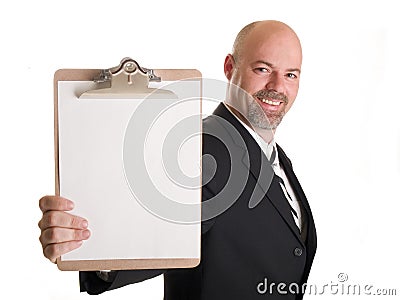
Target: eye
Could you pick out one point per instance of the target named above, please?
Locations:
(262, 70)
(291, 75)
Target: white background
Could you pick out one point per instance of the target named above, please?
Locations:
(342, 134)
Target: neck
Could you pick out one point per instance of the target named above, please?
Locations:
(266, 134)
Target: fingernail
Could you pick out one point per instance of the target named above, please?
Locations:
(85, 234)
(84, 224)
(70, 205)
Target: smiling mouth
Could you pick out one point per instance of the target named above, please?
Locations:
(270, 102)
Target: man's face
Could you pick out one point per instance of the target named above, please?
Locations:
(268, 68)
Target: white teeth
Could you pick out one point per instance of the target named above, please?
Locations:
(270, 102)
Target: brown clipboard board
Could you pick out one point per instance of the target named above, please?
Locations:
(95, 74)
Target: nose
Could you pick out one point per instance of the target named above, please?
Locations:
(276, 83)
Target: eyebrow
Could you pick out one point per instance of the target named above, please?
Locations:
(272, 66)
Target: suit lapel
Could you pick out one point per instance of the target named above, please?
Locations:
(279, 201)
(258, 166)
(287, 166)
(251, 156)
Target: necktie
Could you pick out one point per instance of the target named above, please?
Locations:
(294, 206)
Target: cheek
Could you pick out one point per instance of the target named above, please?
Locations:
(292, 91)
(244, 84)
(289, 105)
(248, 81)
(292, 97)
(252, 85)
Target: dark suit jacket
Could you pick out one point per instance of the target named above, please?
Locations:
(245, 252)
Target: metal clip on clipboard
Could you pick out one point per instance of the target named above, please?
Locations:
(128, 81)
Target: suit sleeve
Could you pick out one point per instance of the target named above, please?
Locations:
(93, 285)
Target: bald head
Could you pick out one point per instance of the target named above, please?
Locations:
(262, 30)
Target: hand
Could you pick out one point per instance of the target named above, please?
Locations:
(61, 232)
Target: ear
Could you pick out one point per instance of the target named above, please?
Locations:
(229, 66)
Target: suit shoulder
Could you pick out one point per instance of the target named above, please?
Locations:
(210, 122)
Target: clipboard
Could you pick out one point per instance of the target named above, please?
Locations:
(159, 239)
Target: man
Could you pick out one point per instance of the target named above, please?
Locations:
(263, 245)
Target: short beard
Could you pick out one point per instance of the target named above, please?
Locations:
(260, 119)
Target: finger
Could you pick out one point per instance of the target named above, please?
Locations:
(61, 235)
(47, 203)
(53, 251)
(61, 219)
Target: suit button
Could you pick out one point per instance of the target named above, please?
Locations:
(298, 251)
